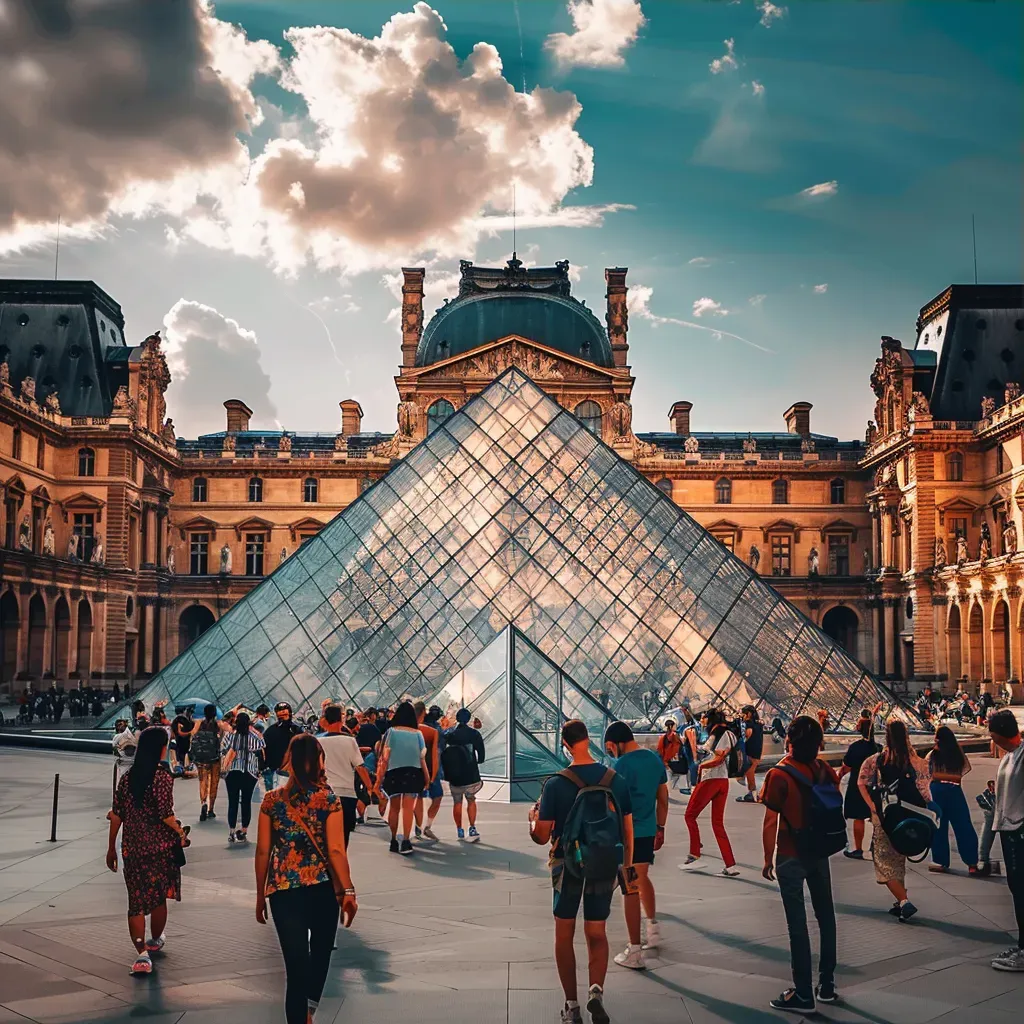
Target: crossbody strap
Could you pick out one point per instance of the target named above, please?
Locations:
(316, 846)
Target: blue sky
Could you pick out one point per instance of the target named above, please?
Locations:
(913, 110)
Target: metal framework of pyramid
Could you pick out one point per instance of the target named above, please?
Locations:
(510, 529)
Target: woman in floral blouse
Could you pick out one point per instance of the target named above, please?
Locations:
(302, 870)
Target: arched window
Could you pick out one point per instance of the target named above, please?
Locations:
(310, 489)
(780, 492)
(723, 492)
(589, 414)
(837, 492)
(954, 466)
(199, 488)
(438, 413)
(665, 486)
(255, 489)
(86, 462)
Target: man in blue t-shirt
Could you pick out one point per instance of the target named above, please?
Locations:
(547, 821)
(644, 771)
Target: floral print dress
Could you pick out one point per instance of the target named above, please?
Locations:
(148, 846)
(294, 861)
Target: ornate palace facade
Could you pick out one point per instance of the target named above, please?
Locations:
(122, 543)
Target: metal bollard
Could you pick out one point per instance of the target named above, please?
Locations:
(53, 819)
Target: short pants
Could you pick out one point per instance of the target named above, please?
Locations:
(643, 850)
(434, 791)
(597, 906)
(469, 792)
(403, 782)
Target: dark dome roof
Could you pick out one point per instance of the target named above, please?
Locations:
(532, 303)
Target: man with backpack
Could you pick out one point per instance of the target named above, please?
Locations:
(803, 827)
(460, 760)
(586, 814)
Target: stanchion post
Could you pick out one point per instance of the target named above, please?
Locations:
(53, 819)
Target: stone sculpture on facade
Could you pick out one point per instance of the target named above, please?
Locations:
(229, 442)
(988, 406)
(340, 443)
(621, 418)
(867, 561)
(49, 544)
(754, 557)
(1010, 538)
(871, 433)
(73, 548)
(97, 552)
(169, 559)
(919, 403)
(407, 416)
(5, 375)
(225, 560)
(284, 554)
(807, 445)
(285, 444)
(28, 390)
(1011, 392)
(52, 403)
(691, 445)
(167, 432)
(812, 562)
(985, 547)
(962, 554)
(123, 405)
(749, 445)
(940, 553)
(25, 534)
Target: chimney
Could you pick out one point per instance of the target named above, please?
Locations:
(617, 318)
(412, 313)
(238, 415)
(798, 418)
(351, 417)
(679, 417)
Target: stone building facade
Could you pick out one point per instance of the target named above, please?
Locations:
(122, 543)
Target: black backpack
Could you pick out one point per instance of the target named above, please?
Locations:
(205, 747)
(592, 839)
(459, 764)
(736, 762)
(825, 831)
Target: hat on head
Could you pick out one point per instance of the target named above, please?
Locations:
(462, 716)
(282, 705)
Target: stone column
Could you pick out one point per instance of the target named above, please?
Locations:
(876, 538)
(881, 663)
(891, 637)
(149, 556)
(23, 601)
(967, 666)
(412, 313)
(1013, 600)
(617, 316)
(987, 636)
(73, 600)
(146, 635)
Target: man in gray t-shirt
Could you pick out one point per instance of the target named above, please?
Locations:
(1008, 821)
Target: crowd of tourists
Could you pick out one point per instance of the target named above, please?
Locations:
(50, 705)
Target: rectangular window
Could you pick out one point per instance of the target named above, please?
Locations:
(782, 549)
(133, 542)
(303, 537)
(41, 453)
(254, 544)
(958, 527)
(38, 526)
(727, 540)
(839, 556)
(199, 554)
(84, 529)
(11, 523)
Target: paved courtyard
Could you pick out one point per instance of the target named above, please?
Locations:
(458, 934)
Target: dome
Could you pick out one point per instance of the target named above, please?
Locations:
(531, 303)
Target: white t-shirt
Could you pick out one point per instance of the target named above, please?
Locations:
(341, 759)
(124, 744)
(1009, 809)
(725, 742)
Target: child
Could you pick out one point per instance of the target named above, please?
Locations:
(987, 802)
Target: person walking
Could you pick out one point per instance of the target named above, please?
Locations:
(787, 819)
(854, 807)
(243, 753)
(277, 737)
(695, 736)
(151, 847)
(672, 752)
(342, 764)
(205, 754)
(548, 818)
(753, 733)
(302, 872)
(712, 788)
(434, 790)
(403, 774)
(896, 767)
(461, 759)
(949, 764)
(182, 728)
(1008, 821)
(645, 774)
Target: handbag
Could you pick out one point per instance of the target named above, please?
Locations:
(909, 828)
(338, 885)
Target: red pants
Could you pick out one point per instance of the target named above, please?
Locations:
(716, 793)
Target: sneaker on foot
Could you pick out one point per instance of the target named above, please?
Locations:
(631, 957)
(231, 835)
(203, 813)
(419, 832)
(595, 1005)
(790, 1002)
(730, 872)
(474, 836)
(211, 813)
(748, 799)
(854, 854)
(394, 845)
(826, 992)
(1011, 960)
(691, 863)
(143, 965)
(461, 834)
(907, 911)
(895, 909)
(428, 833)
(406, 848)
(571, 1015)
(360, 820)
(653, 940)
(155, 945)
(937, 869)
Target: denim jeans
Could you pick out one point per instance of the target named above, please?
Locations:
(987, 839)
(792, 874)
(270, 778)
(951, 803)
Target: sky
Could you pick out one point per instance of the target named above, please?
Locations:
(785, 182)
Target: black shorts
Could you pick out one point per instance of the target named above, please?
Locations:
(183, 744)
(643, 849)
(403, 782)
(597, 906)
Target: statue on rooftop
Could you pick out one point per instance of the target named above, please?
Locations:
(988, 406)
(749, 445)
(49, 544)
(97, 552)
(225, 559)
(621, 418)
(754, 557)
(1011, 392)
(25, 534)
(812, 562)
(285, 444)
(962, 554)
(940, 553)
(169, 559)
(985, 550)
(167, 433)
(407, 416)
(28, 390)
(691, 445)
(229, 443)
(1010, 537)
(52, 403)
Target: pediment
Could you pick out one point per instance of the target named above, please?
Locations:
(309, 523)
(781, 526)
(198, 523)
(840, 526)
(253, 525)
(725, 526)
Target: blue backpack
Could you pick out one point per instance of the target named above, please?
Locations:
(592, 839)
(824, 833)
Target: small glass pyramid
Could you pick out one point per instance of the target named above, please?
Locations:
(512, 514)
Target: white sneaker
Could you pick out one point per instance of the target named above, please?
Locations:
(692, 864)
(428, 833)
(1011, 960)
(631, 957)
(730, 872)
(595, 1006)
(571, 1015)
(653, 940)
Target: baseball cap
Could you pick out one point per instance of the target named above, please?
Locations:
(283, 706)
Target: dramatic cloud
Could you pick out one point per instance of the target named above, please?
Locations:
(757, 88)
(727, 62)
(602, 30)
(770, 12)
(825, 188)
(212, 357)
(95, 97)
(706, 305)
(757, 300)
(638, 302)
(820, 289)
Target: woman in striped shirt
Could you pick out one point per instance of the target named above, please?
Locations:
(243, 755)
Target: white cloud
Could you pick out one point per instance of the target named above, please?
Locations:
(602, 29)
(706, 305)
(757, 300)
(638, 303)
(700, 261)
(770, 12)
(757, 88)
(824, 188)
(727, 62)
(212, 357)
(820, 289)
(438, 285)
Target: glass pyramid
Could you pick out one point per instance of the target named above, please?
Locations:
(512, 514)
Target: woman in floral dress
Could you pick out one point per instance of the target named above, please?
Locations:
(302, 869)
(150, 847)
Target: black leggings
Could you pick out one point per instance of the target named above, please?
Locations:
(1013, 862)
(240, 786)
(306, 920)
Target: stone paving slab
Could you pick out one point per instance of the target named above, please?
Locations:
(458, 934)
